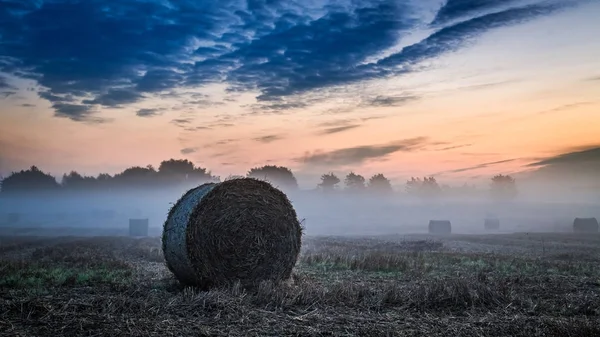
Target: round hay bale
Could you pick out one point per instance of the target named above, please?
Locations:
(241, 230)
(585, 225)
(440, 227)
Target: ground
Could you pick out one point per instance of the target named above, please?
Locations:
(537, 284)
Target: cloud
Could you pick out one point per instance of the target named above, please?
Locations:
(148, 112)
(268, 138)
(359, 154)
(182, 122)
(6, 89)
(578, 156)
(453, 147)
(580, 164)
(456, 9)
(116, 97)
(476, 167)
(188, 150)
(453, 37)
(338, 129)
(566, 107)
(28, 105)
(386, 101)
(77, 113)
(116, 53)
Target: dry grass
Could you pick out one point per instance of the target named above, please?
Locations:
(340, 287)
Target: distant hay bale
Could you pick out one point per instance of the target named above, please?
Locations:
(585, 225)
(440, 227)
(241, 230)
(491, 224)
(138, 227)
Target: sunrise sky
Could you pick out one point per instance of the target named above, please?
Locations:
(460, 89)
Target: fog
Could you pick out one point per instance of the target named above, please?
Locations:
(102, 213)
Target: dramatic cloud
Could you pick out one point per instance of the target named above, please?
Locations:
(148, 112)
(385, 101)
(588, 155)
(577, 165)
(182, 122)
(338, 129)
(79, 113)
(188, 150)
(567, 107)
(6, 89)
(456, 9)
(115, 98)
(268, 138)
(476, 167)
(359, 154)
(88, 54)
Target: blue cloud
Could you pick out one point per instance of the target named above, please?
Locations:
(87, 54)
(456, 9)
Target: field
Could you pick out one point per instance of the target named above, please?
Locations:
(536, 284)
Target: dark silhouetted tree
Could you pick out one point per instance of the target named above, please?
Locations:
(426, 188)
(355, 183)
(503, 188)
(136, 176)
(32, 180)
(379, 184)
(75, 181)
(182, 170)
(278, 175)
(328, 182)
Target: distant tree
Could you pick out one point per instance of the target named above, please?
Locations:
(174, 167)
(75, 181)
(379, 184)
(503, 188)
(136, 176)
(278, 175)
(426, 188)
(328, 182)
(355, 183)
(180, 170)
(32, 180)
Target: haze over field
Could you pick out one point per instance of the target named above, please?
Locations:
(457, 89)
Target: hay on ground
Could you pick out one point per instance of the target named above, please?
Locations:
(585, 225)
(241, 230)
(491, 224)
(440, 227)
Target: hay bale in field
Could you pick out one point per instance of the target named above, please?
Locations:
(138, 227)
(585, 225)
(440, 227)
(242, 230)
(491, 224)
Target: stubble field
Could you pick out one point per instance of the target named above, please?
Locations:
(536, 284)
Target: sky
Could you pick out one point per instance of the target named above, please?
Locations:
(458, 89)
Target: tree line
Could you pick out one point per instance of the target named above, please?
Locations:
(180, 172)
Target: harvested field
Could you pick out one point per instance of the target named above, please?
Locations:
(519, 284)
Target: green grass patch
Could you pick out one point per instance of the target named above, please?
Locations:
(31, 275)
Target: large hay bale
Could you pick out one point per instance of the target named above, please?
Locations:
(440, 227)
(585, 225)
(138, 227)
(242, 229)
(491, 224)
